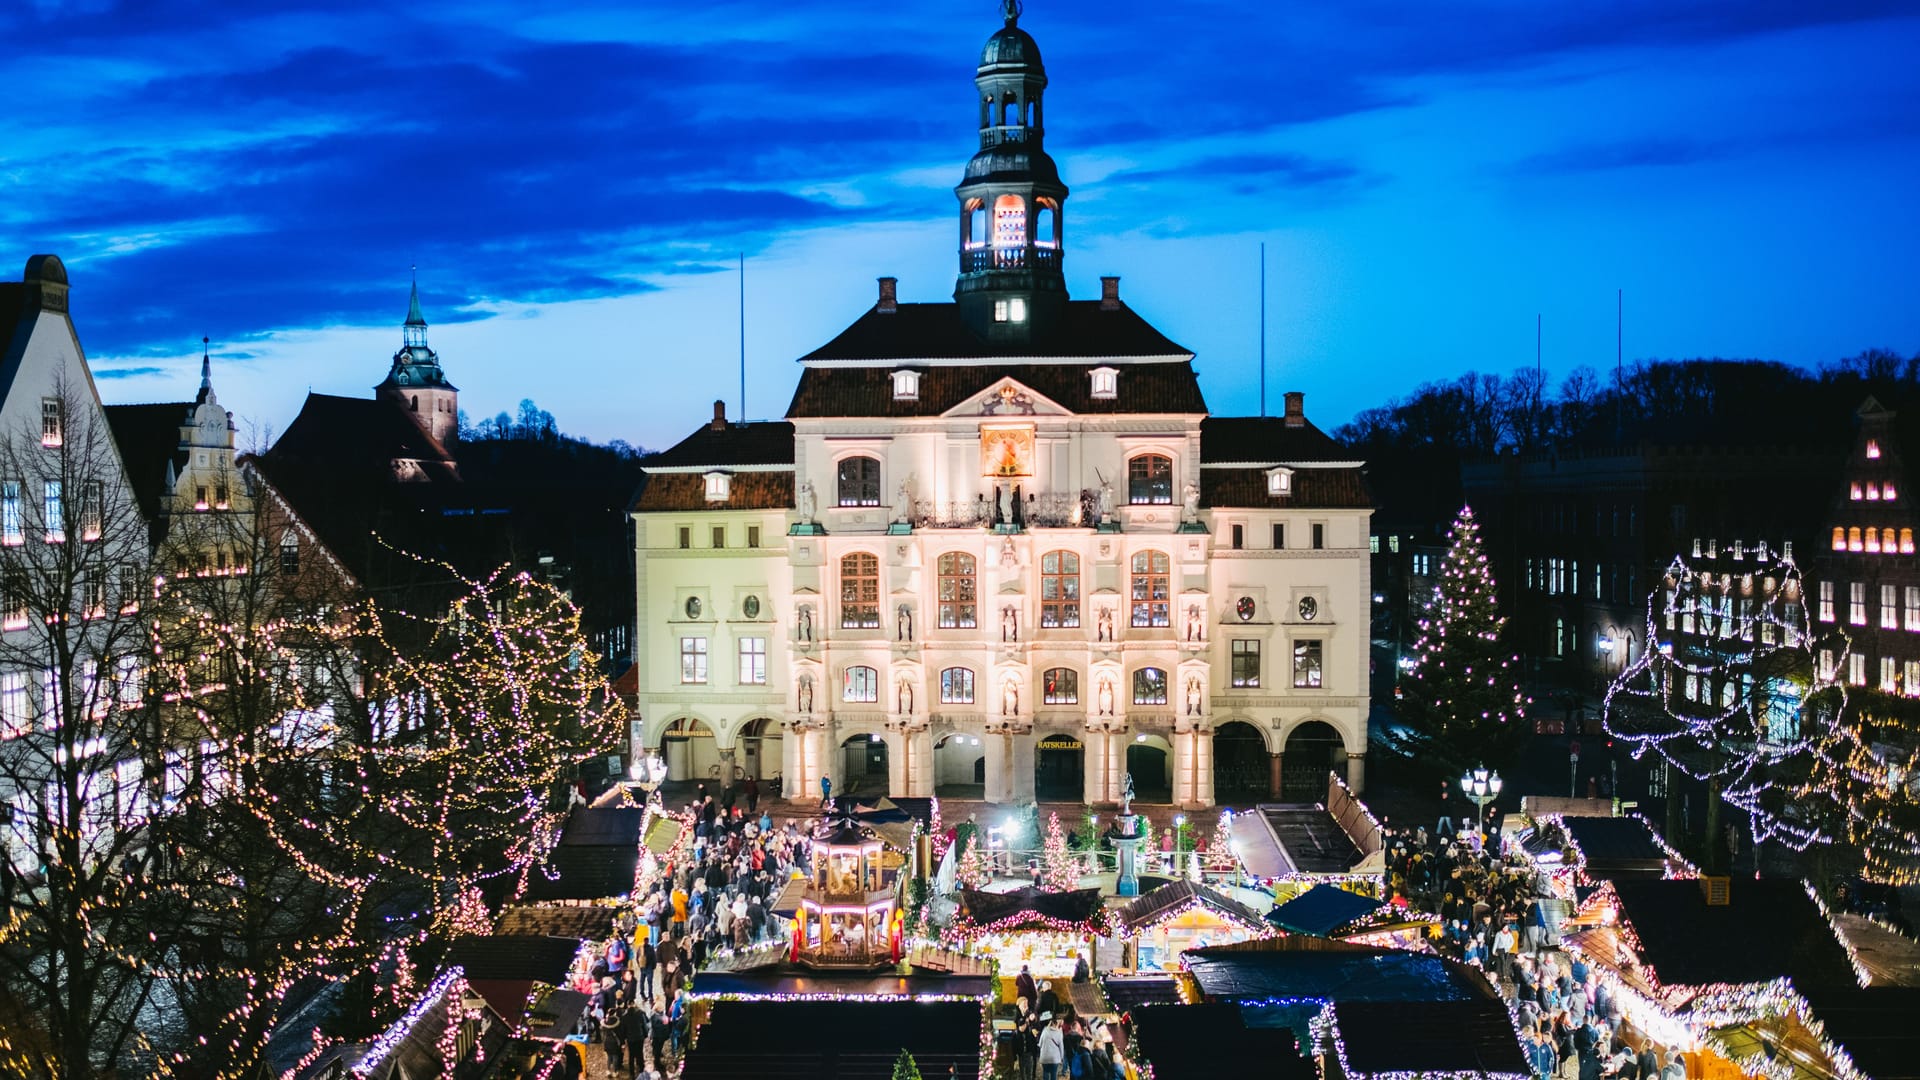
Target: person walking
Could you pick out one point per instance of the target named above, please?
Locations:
(1443, 828)
(1052, 1048)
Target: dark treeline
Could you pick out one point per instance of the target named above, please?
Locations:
(1414, 445)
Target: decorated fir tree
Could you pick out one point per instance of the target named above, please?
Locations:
(973, 871)
(1059, 869)
(904, 1067)
(1463, 704)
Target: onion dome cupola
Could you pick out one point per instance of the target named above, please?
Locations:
(416, 381)
(1011, 287)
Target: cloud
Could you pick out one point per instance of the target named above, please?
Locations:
(127, 372)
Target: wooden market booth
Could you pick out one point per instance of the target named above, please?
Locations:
(1163, 923)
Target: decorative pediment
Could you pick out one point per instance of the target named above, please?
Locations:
(1007, 397)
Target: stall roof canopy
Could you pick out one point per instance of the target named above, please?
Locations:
(1132, 991)
(786, 979)
(1150, 907)
(592, 922)
(1321, 910)
(596, 826)
(1078, 906)
(1875, 1027)
(1770, 928)
(662, 833)
(842, 1040)
(1616, 847)
(583, 872)
(1331, 971)
(1205, 1042)
(1311, 840)
(514, 956)
(1475, 1037)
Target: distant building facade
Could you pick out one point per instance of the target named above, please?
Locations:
(1865, 579)
(1000, 545)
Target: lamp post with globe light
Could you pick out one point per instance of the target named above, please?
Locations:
(1480, 788)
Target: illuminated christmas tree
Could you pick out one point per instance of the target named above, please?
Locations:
(973, 871)
(905, 1068)
(1463, 704)
(1059, 868)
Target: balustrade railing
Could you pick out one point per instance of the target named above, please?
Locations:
(1040, 510)
(986, 257)
(1006, 133)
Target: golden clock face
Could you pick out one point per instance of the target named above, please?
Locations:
(1006, 451)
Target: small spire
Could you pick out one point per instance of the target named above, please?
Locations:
(206, 365)
(414, 318)
(1010, 10)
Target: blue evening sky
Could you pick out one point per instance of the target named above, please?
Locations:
(575, 178)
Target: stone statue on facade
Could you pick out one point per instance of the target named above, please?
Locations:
(1009, 559)
(1003, 497)
(1190, 505)
(903, 623)
(1106, 500)
(803, 622)
(906, 696)
(803, 501)
(902, 503)
(803, 693)
(1193, 695)
(1194, 626)
(1010, 623)
(1010, 698)
(1105, 702)
(1104, 631)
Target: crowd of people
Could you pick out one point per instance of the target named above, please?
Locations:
(713, 893)
(1490, 913)
(1053, 1042)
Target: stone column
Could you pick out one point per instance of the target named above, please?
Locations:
(1273, 775)
(899, 762)
(920, 778)
(1182, 768)
(791, 769)
(997, 745)
(1203, 767)
(1020, 761)
(1095, 760)
(727, 754)
(1357, 773)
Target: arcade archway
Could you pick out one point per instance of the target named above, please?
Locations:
(960, 766)
(863, 766)
(1059, 761)
(1313, 750)
(1240, 770)
(761, 744)
(690, 751)
(1150, 760)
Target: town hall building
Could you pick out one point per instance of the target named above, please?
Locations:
(999, 547)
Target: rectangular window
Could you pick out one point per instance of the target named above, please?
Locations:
(16, 710)
(1319, 536)
(13, 528)
(54, 509)
(1060, 686)
(1826, 601)
(1910, 678)
(1826, 664)
(1889, 608)
(50, 426)
(93, 602)
(92, 499)
(219, 496)
(1306, 664)
(1857, 669)
(719, 536)
(1857, 603)
(693, 660)
(862, 685)
(753, 661)
(1889, 676)
(1373, 545)
(1913, 607)
(753, 536)
(200, 497)
(686, 538)
(1279, 536)
(289, 552)
(956, 686)
(1239, 536)
(133, 587)
(1246, 663)
(1059, 590)
(13, 602)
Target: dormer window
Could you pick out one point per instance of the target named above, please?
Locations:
(1106, 383)
(1013, 310)
(1279, 481)
(1873, 448)
(906, 386)
(719, 486)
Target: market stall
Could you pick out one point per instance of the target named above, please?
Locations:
(1047, 932)
(1165, 922)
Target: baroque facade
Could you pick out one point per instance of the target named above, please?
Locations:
(999, 545)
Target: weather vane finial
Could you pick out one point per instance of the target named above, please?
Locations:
(1011, 9)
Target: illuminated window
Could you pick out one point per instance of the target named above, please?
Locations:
(906, 386)
(55, 512)
(50, 426)
(1059, 589)
(15, 706)
(956, 686)
(1889, 676)
(1857, 603)
(1839, 538)
(860, 591)
(1857, 669)
(1306, 664)
(1246, 663)
(1826, 665)
(1280, 482)
(1106, 383)
(13, 529)
(1060, 686)
(719, 485)
(753, 661)
(1906, 541)
(1910, 678)
(862, 684)
(1009, 230)
(1012, 310)
(92, 498)
(93, 595)
(1886, 490)
(693, 660)
(1887, 543)
(958, 591)
(1873, 492)
(859, 481)
(1873, 448)
(1853, 539)
(1149, 686)
(1150, 480)
(1856, 494)
(1889, 608)
(1873, 539)
(1150, 589)
(13, 602)
(289, 552)
(1826, 601)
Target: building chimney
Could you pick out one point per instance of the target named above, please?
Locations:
(719, 416)
(1296, 414)
(889, 296)
(1109, 294)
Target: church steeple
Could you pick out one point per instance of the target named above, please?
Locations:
(416, 381)
(414, 332)
(1011, 285)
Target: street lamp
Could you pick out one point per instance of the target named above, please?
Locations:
(1480, 788)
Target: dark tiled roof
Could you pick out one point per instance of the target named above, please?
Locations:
(590, 922)
(1616, 847)
(359, 433)
(1312, 839)
(1080, 905)
(745, 491)
(514, 956)
(604, 825)
(868, 391)
(1333, 971)
(584, 872)
(842, 1040)
(1129, 992)
(15, 306)
(1770, 928)
(149, 437)
(1265, 440)
(1338, 489)
(1438, 1037)
(1205, 1042)
(765, 442)
(937, 332)
(1321, 910)
(1875, 1027)
(1147, 908)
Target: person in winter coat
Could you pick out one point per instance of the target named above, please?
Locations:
(1053, 1048)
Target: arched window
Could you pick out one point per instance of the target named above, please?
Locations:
(1009, 111)
(859, 481)
(414, 403)
(1853, 539)
(1150, 589)
(1839, 538)
(976, 224)
(1046, 225)
(860, 591)
(1149, 686)
(1887, 542)
(1009, 230)
(958, 600)
(956, 686)
(862, 685)
(1150, 480)
(1059, 589)
(1906, 541)
(1060, 686)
